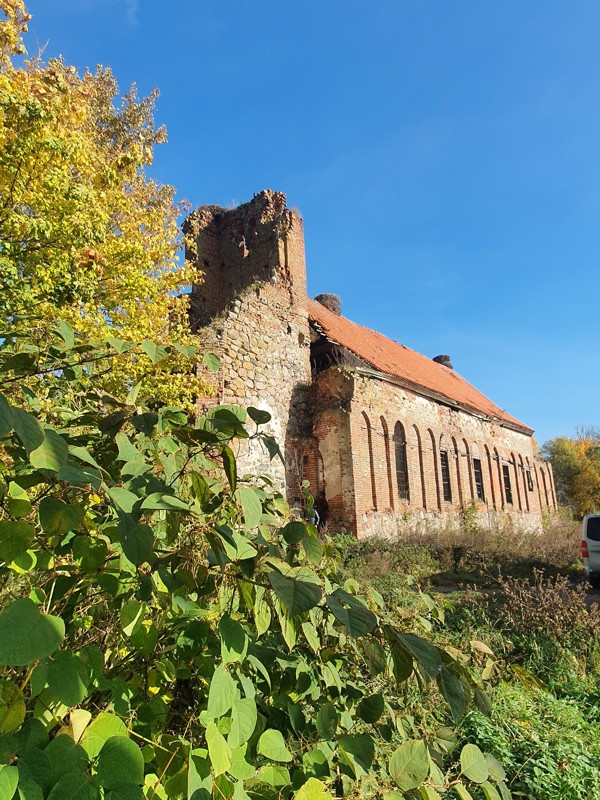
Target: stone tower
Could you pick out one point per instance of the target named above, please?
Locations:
(250, 310)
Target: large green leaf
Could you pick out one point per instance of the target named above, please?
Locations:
(327, 721)
(371, 708)
(229, 466)
(6, 419)
(52, 454)
(427, 655)
(75, 786)
(294, 532)
(15, 538)
(243, 721)
(155, 352)
(409, 764)
(58, 517)
(218, 749)
(490, 792)
(473, 764)
(137, 540)
(120, 762)
(454, 691)
(9, 778)
(12, 707)
(27, 428)
(351, 612)
(221, 693)
(297, 595)
(313, 789)
(199, 781)
(68, 678)
(251, 505)
(100, 730)
(358, 752)
(272, 745)
(234, 642)
(26, 635)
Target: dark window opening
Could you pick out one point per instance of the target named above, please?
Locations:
(507, 485)
(529, 480)
(447, 488)
(593, 529)
(478, 473)
(401, 462)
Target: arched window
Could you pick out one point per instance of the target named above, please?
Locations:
(469, 467)
(517, 483)
(445, 471)
(416, 436)
(436, 473)
(371, 461)
(490, 472)
(524, 482)
(388, 460)
(401, 462)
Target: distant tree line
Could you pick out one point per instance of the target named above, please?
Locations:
(576, 465)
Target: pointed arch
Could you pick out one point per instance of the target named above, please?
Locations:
(444, 465)
(524, 483)
(469, 466)
(434, 464)
(457, 471)
(513, 461)
(502, 498)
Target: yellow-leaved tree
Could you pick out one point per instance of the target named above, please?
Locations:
(86, 236)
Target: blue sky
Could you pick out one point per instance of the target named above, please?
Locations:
(445, 157)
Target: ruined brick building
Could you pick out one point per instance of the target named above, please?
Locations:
(382, 433)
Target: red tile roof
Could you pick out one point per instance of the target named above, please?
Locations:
(419, 372)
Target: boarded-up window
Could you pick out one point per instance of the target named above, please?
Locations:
(478, 474)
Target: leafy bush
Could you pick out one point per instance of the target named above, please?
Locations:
(168, 630)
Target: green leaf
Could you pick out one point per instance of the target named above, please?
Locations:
(128, 791)
(120, 346)
(240, 768)
(65, 756)
(76, 476)
(327, 721)
(258, 416)
(353, 615)
(75, 786)
(473, 764)
(229, 467)
(66, 333)
(371, 708)
(133, 393)
(12, 707)
(18, 501)
(313, 548)
(505, 792)
(234, 642)
(124, 499)
(426, 654)
(272, 745)
(120, 762)
(145, 423)
(490, 791)
(164, 502)
(52, 454)
(251, 505)
(313, 789)
(294, 532)
(136, 540)
(26, 635)
(243, 721)
(358, 751)
(496, 770)
(15, 538)
(274, 775)
(221, 693)
(104, 727)
(89, 553)
(56, 517)
(9, 778)
(155, 352)
(463, 792)
(27, 428)
(211, 361)
(199, 777)
(6, 418)
(218, 749)
(409, 765)
(454, 691)
(297, 596)
(68, 678)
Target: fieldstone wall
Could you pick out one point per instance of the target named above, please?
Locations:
(250, 311)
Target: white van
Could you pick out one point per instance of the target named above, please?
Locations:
(590, 548)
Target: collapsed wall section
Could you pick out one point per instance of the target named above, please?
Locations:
(250, 310)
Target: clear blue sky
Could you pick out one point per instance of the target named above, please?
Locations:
(444, 155)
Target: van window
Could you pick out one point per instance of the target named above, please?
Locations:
(593, 529)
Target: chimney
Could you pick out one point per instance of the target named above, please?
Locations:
(444, 361)
(330, 301)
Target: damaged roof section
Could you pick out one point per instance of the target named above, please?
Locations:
(416, 371)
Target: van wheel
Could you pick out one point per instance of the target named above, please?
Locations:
(595, 581)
